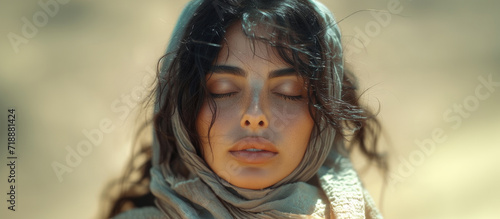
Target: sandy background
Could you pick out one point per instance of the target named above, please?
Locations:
(88, 63)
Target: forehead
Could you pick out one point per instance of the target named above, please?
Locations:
(237, 48)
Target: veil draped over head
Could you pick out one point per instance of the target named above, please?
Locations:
(206, 195)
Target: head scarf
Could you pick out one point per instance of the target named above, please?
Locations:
(205, 195)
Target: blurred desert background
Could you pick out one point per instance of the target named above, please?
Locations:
(86, 66)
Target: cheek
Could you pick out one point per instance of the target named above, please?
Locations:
(224, 121)
(299, 129)
(203, 120)
(202, 125)
(294, 125)
(223, 124)
(291, 119)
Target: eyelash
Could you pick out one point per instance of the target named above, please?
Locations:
(286, 97)
(292, 98)
(222, 95)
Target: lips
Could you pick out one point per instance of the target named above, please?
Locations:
(253, 150)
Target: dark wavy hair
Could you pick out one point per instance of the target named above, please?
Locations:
(297, 33)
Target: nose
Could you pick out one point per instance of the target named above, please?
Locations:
(254, 119)
(254, 122)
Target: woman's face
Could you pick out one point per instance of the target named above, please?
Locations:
(263, 125)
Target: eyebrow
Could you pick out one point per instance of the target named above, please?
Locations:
(227, 69)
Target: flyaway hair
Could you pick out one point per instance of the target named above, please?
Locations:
(305, 35)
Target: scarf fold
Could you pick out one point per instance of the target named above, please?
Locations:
(194, 198)
(205, 195)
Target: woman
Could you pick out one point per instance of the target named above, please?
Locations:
(252, 109)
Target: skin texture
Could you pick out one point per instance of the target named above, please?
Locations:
(251, 105)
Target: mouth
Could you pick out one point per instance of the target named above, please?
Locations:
(254, 150)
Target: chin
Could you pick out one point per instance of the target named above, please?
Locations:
(252, 184)
(251, 181)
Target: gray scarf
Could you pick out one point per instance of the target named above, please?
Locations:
(205, 195)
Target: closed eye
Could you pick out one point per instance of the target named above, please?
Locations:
(287, 97)
(222, 95)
